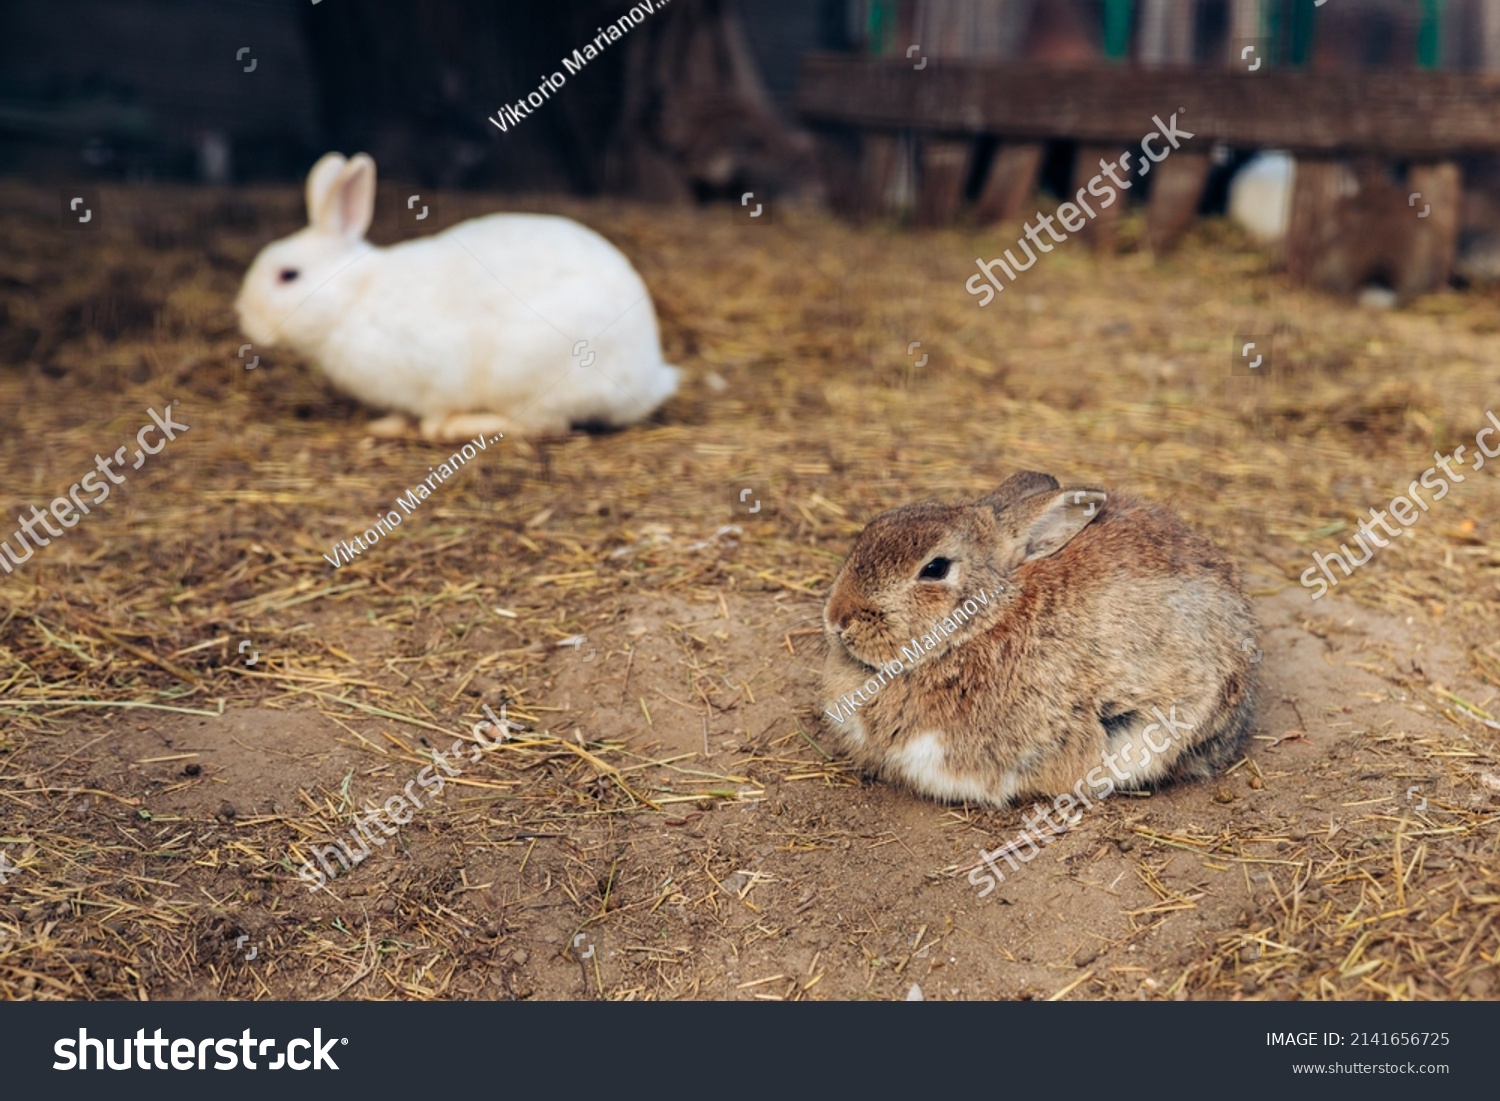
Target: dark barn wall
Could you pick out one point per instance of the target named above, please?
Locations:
(680, 91)
(147, 87)
(152, 82)
(416, 83)
(153, 88)
(781, 31)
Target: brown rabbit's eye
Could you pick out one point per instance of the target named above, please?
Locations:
(288, 274)
(935, 570)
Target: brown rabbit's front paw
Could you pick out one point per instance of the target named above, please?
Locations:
(923, 763)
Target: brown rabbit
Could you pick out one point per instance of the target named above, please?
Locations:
(1034, 641)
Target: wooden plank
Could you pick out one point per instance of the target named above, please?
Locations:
(1440, 186)
(1402, 114)
(886, 164)
(1099, 232)
(1176, 190)
(1247, 19)
(944, 170)
(1011, 184)
(840, 160)
(1313, 222)
(880, 172)
(855, 169)
(1489, 33)
(1167, 32)
(945, 28)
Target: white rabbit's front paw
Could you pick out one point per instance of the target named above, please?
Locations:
(393, 427)
(452, 427)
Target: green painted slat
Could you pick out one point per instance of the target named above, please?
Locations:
(883, 25)
(1119, 18)
(1301, 33)
(1430, 36)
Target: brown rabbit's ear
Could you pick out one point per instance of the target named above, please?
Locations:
(1019, 485)
(1046, 523)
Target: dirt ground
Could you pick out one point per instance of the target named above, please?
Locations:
(192, 699)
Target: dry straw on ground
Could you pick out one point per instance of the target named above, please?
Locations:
(672, 802)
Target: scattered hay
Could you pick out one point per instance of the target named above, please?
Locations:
(657, 784)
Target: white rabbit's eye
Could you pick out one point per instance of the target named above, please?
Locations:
(935, 570)
(289, 274)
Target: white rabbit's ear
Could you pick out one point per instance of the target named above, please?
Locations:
(349, 204)
(1048, 524)
(320, 182)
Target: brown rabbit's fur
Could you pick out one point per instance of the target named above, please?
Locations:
(1102, 613)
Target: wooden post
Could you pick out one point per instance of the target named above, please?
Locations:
(1100, 232)
(1315, 199)
(1245, 21)
(1315, 191)
(1012, 177)
(945, 29)
(857, 164)
(944, 169)
(1168, 29)
(1176, 193)
(1440, 184)
(880, 166)
(1489, 33)
(1167, 34)
(885, 162)
(1155, 32)
(1011, 182)
(1435, 246)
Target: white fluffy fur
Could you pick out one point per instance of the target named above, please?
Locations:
(481, 318)
(922, 763)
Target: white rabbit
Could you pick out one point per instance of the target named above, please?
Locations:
(520, 324)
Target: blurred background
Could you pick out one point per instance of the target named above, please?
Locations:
(706, 100)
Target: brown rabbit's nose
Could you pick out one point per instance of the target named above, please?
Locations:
(840, 615)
